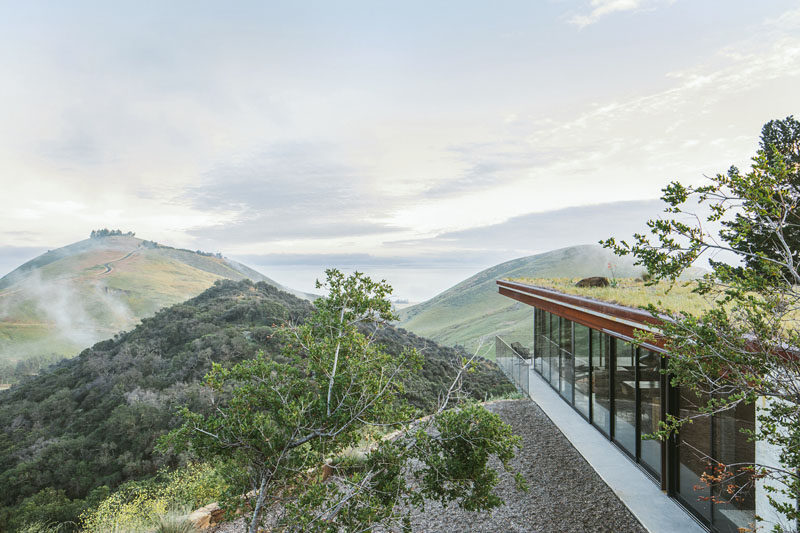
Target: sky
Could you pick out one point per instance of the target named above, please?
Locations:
(423, 136)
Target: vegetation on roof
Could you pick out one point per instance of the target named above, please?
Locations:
(678, 297)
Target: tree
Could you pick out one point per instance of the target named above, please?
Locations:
(777, 168)
(745, 346)
(307, 433)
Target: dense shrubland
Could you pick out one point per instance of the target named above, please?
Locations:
(88, 424)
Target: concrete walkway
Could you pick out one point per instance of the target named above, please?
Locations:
(654, 509)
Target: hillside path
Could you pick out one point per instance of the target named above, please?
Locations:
(108, 266)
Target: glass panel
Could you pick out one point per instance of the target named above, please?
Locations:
(601, 393)
(581, 353)
(545, 348)
(554, 356)
(567, 378)
(650, 407)
(537, 339)
(625, 396)
(694, 451)
(732, 447)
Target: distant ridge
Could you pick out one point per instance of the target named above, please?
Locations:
(472, 309)
(69, 298)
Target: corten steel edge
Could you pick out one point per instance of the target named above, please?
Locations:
(610, 318)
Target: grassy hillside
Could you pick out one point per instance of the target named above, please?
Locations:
(93, 420)
(69, 298)
(471, 310)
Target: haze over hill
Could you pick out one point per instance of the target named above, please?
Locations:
(472, 309)
(68, 298)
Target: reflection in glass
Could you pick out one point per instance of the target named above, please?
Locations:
(601, 393)
(567, 378)
(732, 447)
(694, 452)
(545, 339)
(554, 355)
(581, 354)
(625, 396)
(650, 407)
(538, 328)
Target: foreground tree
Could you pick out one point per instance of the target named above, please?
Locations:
(308, 434)
(746, 346)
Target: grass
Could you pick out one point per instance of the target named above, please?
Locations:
(473, 309)
(68, 301)
(630, 292)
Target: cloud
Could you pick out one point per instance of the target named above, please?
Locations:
(538, 232)
(360, 260)
(486, 165)
(601, 8)
(285, 191)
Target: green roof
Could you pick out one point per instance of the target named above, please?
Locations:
(677, 297)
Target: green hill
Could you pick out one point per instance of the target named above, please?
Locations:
(93, 420)
(67, 299)
(471, 310)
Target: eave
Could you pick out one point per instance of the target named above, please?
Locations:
(614, 319)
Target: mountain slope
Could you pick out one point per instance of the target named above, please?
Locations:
(69, 298)
(94, 419)
(473, 309)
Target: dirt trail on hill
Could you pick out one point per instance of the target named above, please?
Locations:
(108, 266)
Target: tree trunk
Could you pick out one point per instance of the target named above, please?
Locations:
(259, 503)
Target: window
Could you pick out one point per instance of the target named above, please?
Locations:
(625, 396)
(694, 451)
(650, 408)
(732, 447)
(539, 338)
(554, 356)
(601, 392)
(567, 376)
(581, 354)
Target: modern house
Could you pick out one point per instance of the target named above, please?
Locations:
(582, 347)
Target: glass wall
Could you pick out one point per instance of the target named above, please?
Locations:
(539, 338)
(735, 512)
(649, 384)
(582, 364)
(555, 369)
(618, 387)
(625, 395)
(567, 369)
(694, 455)
(601, 382)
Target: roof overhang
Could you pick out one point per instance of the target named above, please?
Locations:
(610, 318)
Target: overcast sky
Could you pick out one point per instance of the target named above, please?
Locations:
(383, 132)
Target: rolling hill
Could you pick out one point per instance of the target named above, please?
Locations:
(67, 299)
(472, 310)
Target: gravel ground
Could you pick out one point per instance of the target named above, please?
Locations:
(565, 494)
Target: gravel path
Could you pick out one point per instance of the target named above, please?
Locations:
(565, 494)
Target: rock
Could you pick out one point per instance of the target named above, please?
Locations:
(206, 517)
(521, 350)
(594, 281)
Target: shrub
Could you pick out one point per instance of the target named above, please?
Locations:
(139, 505)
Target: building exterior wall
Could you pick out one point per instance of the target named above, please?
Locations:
(620, 389)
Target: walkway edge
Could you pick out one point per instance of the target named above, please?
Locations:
(657, 512)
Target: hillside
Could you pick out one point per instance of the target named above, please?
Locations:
(67, 299)
(93, 420)
(464, 313)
